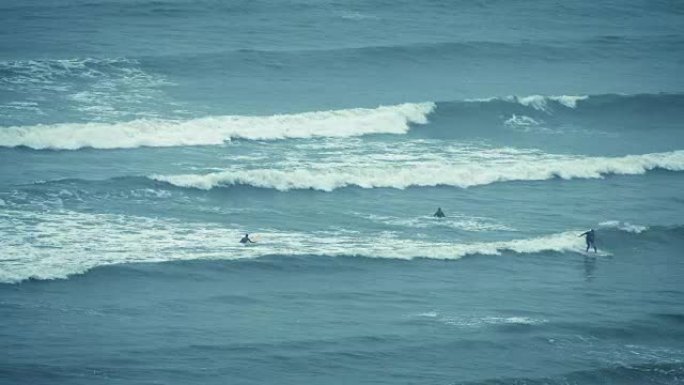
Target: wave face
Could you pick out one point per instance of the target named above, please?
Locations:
(68, 240)
(523, 167)
(217, 130)
(534, 113)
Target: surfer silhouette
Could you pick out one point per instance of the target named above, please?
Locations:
(246, 240)
(590, 238)
(439, 213)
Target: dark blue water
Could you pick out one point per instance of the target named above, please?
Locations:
(140, 140)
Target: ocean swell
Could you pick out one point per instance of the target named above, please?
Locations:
(465, 174)
(218, 129)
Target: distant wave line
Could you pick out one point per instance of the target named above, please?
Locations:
(428, 174)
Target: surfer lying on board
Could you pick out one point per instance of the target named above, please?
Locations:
(439, 213)
(590, 237)
(246, 239)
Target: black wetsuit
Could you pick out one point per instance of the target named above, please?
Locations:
(590, 238)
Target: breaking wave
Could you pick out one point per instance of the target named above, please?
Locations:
(467, 174)
(67, 243)
(216, 130)
(624, 226)
(538, 102)
(533, 113)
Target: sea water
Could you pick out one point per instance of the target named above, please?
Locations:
(140, 140)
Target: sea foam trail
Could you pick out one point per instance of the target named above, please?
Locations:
(465, 174)
(216, 130)
(66, 243)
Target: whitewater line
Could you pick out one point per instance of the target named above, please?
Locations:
(218, 129)
(68, 243)
(466, 174)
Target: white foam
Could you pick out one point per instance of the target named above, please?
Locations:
(216, 130)
(491, 320)
(520, 121)
(624, 226)
(356, 16)
(538, 102)
(105, 88)
(517, 320)
(489, 168)
(523, 123)
(569, 101)
(453, 221)
(429, 314)
(57, 244)
(541, 103)
(49, 71)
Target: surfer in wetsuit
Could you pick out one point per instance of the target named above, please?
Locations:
(439, 213)
(590, 237)
(246, 240)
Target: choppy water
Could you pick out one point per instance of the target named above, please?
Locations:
(139, 140)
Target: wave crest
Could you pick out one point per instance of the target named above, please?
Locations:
(624, 226)
(216, 130)
(529, 168)
(538, 102)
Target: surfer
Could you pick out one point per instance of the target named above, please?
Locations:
(439, 213)
(590, 238)
(246, 239)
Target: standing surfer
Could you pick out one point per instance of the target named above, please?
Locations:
(590, 238)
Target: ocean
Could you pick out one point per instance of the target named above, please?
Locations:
(141, 139)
